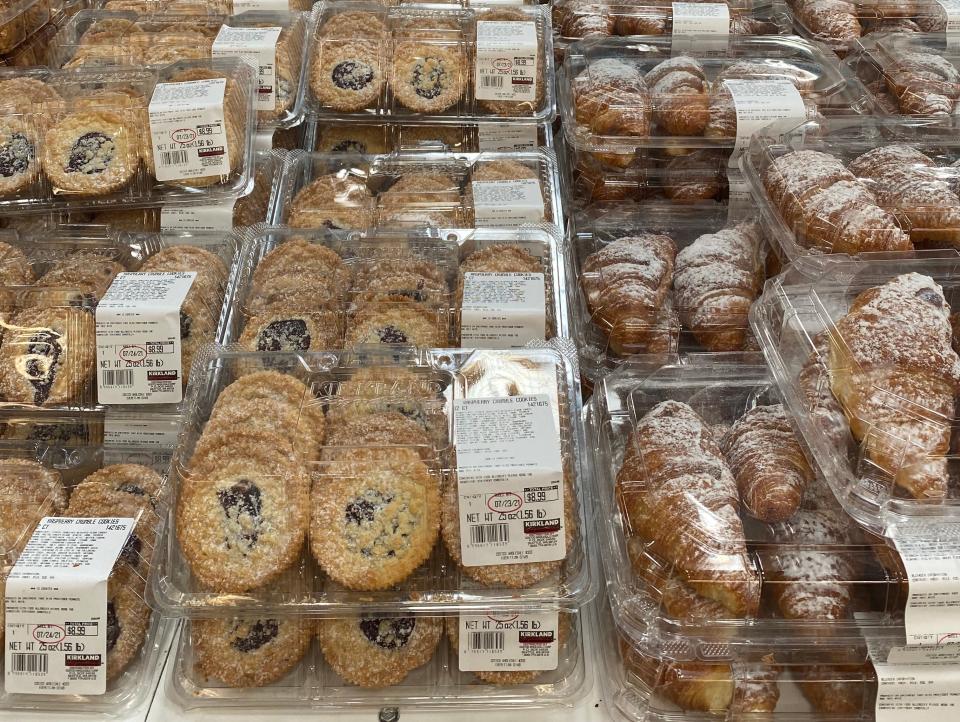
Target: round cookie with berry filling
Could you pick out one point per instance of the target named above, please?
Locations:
(19, 166)
(274, 387)
(242, 510)
(128, 619)
(396, 321)
(378, 651)
(376, 519)
(91, 152)
(334, 201)
(249, 652)
(428, 77)
(387, 428)
(347, 75)
(286, 327)
(304, 426)
(29, 491)
(90, 273)
(415, 278)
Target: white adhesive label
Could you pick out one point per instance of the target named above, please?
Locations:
(56, 606)
(917, 692)
(502, 310)
(761, 102)
(506, 67)
(951, 9)
(130, 438)
(701, 19)
(258, 47)
(187, 129)
(138, 339)
(215, 217)
(509, 642)
(275, 6)
(932, 561)
(507, 202)
(510, 480)
(506, 137)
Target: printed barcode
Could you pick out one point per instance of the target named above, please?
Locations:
(489, 533)
(491, 81)
(118, 377)
(487, 641)
(174, 157)
(30, 663)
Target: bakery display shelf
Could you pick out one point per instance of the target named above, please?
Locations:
(412, 281)
(344, 669)
(871, 394)
(857, 186)
(96, 38)
(52, 283)
(85, 140)
(758, 554)
(619, 94)
(426, 63)
(417, 190)
(656, 278)
(61, 465)
(410, 395)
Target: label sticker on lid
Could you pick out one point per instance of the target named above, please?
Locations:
(931, 557)
(506, 65)
(57, 619)
(507, 202)
(701, 19)
(214, 217)
(509, 642)
(510, 480)
(759, 103)
(258, 47)
(506, 137)
(276, 6)
(139, 344)
(187, 129)
(502, 310)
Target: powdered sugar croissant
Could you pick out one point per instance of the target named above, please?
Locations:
(925, 83)
(677, 492)
(678, 90)
(894, 371)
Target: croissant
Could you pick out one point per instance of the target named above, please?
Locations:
(843, 690)
(697, 176)
(895, 373)
(893, 25)
(579, 20)
(768, 463)
(678, 90)
(906, 182)
(677, 492)
(625, 284)
(924, 83)
(832, 21)
(716, 280)
(722, 121)
(643, 20)
(821, 405)
(611, 98)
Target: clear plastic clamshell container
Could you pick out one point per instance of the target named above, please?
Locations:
(417, 190)
(95, 38)
(442, 63)
(392, 288)
(760, 682)
(620, 94)
(655, 278)
(21, 18)
(720, 538)
(358, 674)
(51, 286)
(858, 185)
(34, 50)
(841, 26)
(885, 443)
(910, 74)
(394, 136)
(82, 138)
(187, 7)
(575, 19)
(274, 549)
(60, 465)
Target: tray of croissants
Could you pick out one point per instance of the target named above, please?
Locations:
(617, 94)
(722, 533)
(658, 278)
(853, 185)
(864, 352)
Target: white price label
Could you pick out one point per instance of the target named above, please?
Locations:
(134, 438)
(187, 129)
(761, 102)
(509, 642)
(506, 137)
(507, 202)
(506, 67)
(57, 618)
(214, 217)
(510, 480)
(932, 560)
(917, 692)
(502, 310)
(258, 47)
(701, 19)
(275, 6)
(138, 338)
